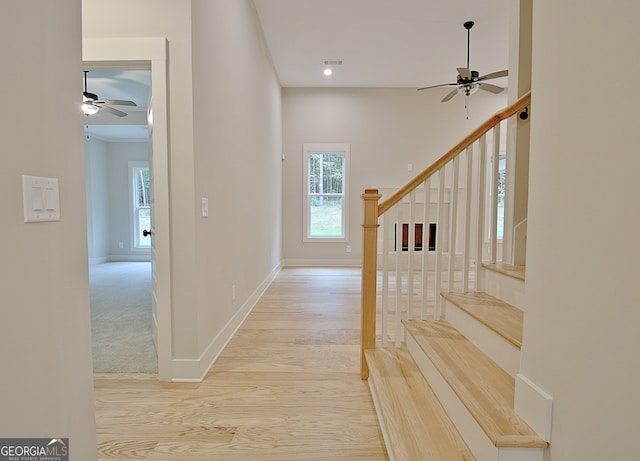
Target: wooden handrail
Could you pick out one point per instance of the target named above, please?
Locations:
(472, 137)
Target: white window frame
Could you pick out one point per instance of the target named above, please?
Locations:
(134, 166)
(308, 149)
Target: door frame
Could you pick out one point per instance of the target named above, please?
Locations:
(150, 51)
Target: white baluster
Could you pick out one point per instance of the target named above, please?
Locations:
(494, 193)
(398, 274)
(482, 175)
(440, 220)
(426, 213)
(386, 231)
(453, 227)
(467, 222)
(410, 253)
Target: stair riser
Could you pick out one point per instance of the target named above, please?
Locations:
(481, 446)
(488, 341)
(508, 289)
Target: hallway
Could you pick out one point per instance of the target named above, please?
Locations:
(287, 387)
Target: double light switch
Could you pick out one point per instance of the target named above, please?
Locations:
(41, 198)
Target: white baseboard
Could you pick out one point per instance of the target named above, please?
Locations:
(195, 370)
(300, 262)
(146, 257)
(533, 405)
(98, 260)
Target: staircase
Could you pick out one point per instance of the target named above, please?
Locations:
(442, 334)
(445, 395)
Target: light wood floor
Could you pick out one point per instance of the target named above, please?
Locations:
(287, 387)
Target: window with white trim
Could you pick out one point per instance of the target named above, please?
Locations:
(140, 204)
(326, 168)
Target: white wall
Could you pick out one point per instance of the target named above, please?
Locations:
(45, 345)
(225, 144)
(581, 338)
(119, 155)
(387, 130)
(238, 146)
(97, 184)
(109, 201)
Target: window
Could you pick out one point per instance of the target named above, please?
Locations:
(326, 169)
(141, 210)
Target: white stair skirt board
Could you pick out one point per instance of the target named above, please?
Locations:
(383, 427)
(478, 442)
(488, 341)
(508, 289)
(533, 405)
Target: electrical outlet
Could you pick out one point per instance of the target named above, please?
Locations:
(348, 248)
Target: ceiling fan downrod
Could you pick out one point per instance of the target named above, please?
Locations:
(468, 25)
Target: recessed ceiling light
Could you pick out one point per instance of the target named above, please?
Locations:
(328, 71)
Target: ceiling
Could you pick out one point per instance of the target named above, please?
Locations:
(382, 43)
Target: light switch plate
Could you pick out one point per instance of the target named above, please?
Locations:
(205, 207)
(41, 199)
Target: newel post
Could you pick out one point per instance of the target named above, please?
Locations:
(369, 275)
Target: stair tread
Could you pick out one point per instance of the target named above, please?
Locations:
(501, 317)
(484, 388)
(417, 425)
(517, 272)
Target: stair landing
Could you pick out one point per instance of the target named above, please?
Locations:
(517, 272)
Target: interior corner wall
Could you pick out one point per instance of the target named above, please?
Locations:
(45, 334)
(97, 184)
(581, 339)
(388, 129)
(238, 149)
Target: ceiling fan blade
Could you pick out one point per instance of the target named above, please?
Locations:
(502, 73)
(437, 86)
(491, 88)
(116, 102)
(450, 95)
(113, 111)
(465, 73)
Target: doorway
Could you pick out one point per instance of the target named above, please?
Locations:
(117, 153)
(149, 53)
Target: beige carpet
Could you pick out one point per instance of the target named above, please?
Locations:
(121, 322)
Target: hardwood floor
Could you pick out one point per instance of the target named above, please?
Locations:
(287, 387)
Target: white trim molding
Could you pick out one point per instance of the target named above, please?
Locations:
(534, 405)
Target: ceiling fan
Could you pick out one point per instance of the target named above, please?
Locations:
(469, 81)
(91, 104)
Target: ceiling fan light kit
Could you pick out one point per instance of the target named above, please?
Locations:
(91, 104)
(469, 81)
